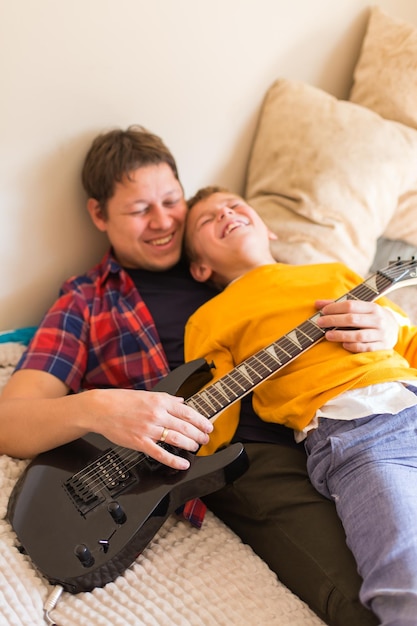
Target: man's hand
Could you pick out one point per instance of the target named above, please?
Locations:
(365, 326)
(142, 419)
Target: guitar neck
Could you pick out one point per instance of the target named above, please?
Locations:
(243, 378)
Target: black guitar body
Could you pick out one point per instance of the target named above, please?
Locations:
(84, 511)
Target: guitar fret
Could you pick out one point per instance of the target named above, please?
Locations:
(294, 338)
(282, 348)
(230, 384)
(290, 348)
(282, 356)
(218, 396)
(262, 361)
(249, 370)
(238, 378)
(221, 388)
(199, 403)
(310, 329)
(293, 349)
(382, 282)
(211, 399)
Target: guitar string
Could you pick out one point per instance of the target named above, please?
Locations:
(130, 458)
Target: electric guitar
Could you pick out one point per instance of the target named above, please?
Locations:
(85, 510)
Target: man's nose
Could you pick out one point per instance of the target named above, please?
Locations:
(160, 218)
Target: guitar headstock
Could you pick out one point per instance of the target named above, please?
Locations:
(401, 271)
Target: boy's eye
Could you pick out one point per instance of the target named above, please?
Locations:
(205, 220)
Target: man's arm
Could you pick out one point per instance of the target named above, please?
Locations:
(37, 414)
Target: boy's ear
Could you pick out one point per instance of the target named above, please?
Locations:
(96, 214)
(200, 272)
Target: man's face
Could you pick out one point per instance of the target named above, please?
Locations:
(227, 237)
(145, 218)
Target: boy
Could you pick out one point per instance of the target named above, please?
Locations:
(356, 412)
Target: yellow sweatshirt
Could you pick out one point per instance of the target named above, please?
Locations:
(267, 303)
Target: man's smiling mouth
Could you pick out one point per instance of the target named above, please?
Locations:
(162, 241)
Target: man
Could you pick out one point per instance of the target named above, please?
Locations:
(357, 412)
(114, 332)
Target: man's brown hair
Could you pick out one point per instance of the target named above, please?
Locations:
(116, 154)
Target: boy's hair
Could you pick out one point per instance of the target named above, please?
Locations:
(115, 154)
(202, 194)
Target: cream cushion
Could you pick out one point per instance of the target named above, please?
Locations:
(385, 76)
(326, 175)
(385, 80)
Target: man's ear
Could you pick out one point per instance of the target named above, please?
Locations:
(96, 214)
(200, 272)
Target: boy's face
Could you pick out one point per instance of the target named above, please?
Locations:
(227, 238)
(145, 218)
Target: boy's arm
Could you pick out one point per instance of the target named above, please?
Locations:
(407, 344)
(198, 343)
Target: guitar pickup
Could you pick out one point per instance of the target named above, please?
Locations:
(107, 475)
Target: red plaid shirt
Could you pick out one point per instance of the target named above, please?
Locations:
(100, 334)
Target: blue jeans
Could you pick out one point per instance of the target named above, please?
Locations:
(368, 466)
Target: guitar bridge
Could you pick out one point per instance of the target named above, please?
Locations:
(107, 476)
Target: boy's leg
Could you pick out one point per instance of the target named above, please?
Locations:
(369, 467)
(274, 508)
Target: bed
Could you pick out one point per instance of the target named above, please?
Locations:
(336, 180)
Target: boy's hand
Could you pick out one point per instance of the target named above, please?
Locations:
(364, 326)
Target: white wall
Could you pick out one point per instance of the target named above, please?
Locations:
(193, 71)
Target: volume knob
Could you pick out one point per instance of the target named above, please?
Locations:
(83, 554)
(117, 512)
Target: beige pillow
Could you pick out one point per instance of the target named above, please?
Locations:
(385, 77)
(385, 80)
(326, 175)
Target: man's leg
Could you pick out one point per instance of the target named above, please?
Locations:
(274, 508)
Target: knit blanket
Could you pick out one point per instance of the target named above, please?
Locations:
(185, 577)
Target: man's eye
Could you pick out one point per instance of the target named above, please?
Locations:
(140, 211)
(171, 203)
